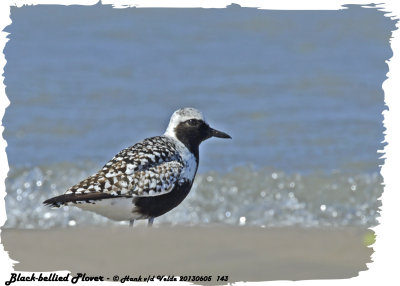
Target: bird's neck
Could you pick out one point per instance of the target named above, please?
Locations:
(192, 147)
(189, 143)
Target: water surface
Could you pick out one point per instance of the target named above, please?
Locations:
(300, 92)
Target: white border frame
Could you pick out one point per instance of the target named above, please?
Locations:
(384, 267)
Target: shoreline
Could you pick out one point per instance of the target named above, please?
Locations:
(241, 253)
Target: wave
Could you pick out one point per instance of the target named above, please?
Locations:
(243, 196)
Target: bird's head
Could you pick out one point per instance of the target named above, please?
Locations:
(189, 126)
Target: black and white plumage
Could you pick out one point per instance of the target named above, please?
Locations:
(149, 178)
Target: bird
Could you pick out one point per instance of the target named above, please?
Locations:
(147, 179)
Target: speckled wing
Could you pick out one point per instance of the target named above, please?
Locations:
(149, 168)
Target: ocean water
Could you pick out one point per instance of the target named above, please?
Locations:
(300, 92)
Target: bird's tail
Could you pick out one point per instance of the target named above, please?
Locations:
(78, 198)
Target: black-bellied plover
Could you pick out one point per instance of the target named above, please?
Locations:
(147, 179)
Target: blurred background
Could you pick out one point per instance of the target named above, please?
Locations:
(300, 92)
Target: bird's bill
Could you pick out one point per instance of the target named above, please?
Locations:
(219, 134)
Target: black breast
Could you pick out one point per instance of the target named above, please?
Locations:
(154, 206)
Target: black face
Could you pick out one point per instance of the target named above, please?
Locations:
(194, 131)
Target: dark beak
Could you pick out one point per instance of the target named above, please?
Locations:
(219, 134)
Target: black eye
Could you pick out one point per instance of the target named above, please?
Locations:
(192, 122)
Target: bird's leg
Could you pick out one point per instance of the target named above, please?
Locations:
(131, 222)
(150, 223)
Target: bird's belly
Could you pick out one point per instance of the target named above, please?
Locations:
(115, 208)
(158, 205)
(121, 208)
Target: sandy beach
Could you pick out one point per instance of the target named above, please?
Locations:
(241, 253)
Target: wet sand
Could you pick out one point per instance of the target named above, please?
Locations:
(241, 253)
